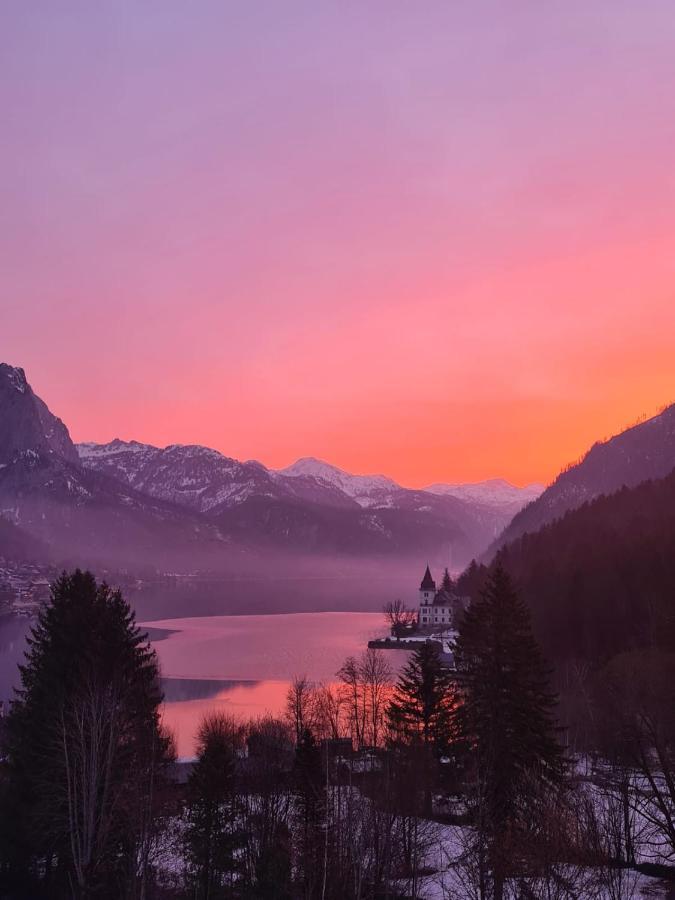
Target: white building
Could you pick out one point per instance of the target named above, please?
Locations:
(439, 607)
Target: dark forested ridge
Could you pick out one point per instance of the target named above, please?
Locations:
(599, 581)
(645, 451)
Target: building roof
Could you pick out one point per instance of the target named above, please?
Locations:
(428, 583)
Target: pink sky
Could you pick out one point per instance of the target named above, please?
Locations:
(435, 240)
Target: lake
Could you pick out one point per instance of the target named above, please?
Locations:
(241, 664)
(244, 664)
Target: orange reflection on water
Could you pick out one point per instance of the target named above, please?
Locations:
(245, 701)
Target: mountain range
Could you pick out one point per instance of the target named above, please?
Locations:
(183, 508)
(187, 508)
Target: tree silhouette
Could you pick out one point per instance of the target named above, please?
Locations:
(420, 712)
(447, 584)
(399, 617)
(85, 751)
(505, 717)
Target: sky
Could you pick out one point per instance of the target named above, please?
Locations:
(432, 239)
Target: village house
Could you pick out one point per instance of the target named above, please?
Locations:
(439, 608)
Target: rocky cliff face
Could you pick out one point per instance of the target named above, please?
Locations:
(27, 423)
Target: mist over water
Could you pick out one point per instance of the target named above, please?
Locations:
(304, 584)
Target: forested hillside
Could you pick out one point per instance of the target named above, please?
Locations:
(600, 580)
(644, 451)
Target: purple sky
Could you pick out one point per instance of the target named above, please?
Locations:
(433, 239)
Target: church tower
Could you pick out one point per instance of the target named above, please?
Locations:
(427, 589)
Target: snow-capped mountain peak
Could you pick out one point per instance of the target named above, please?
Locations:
(363, 488)
(492, 492)
(92, 450)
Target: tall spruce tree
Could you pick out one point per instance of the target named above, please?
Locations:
(420, 716)
(420, 711)
(85, 750)
(506, 720)
(447, 584)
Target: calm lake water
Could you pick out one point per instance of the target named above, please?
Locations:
(241, 664)
(244, 664)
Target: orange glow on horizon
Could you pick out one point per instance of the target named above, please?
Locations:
(449, 257)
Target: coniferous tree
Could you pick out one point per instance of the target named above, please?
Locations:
(506, 718)
(472, 580)
(420, 715)
(85, 750)
(420, 711)
(211, 835)
(447, 584)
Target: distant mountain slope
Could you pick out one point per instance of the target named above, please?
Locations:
(479, 518)
(646, 450)
(378, 490)
(311, 505)
(495, 493)
(303, 511)
(198, 477)
(367, 490)
(18, 545)
(310, 528)
(89, 519)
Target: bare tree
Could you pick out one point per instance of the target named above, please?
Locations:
(329, 712)
(366, 687)
(614, 845)
(354, 698)
(376, 676)
(399, 617)
(89, 731)
(300, 706)
(640, 694)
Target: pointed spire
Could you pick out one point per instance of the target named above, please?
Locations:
(428, 583)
